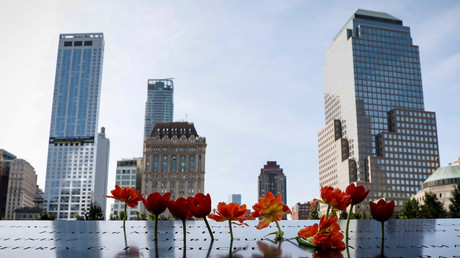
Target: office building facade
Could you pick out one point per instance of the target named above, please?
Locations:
(73, 144)
(174, 160)
(126, 176)
(377, 131)
(272, 179)
(159, 107)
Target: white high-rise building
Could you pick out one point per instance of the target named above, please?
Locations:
(73, 173)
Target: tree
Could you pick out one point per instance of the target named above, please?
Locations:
(117, 217)
(45, 216)
(140, 216)
(432, 208)
(410, 209)
(343, 215)
(94, 213)
(314, 214)
(454, 207)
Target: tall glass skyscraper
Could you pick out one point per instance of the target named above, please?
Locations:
(159, 107)
(377, 132)
(73, 144)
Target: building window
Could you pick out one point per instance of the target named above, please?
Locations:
(155, 163)
(182, 163)
(164, 164)
(174, 163)
(191, 163)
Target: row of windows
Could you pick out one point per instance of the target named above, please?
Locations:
(170, 163)
(391, 62)
(384, 32)
(416, 126)
(78, 43)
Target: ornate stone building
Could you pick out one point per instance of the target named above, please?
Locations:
(174, 160)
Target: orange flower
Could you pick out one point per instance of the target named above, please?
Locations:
(270, 208)
(333, 197)
(325, 235)
(129, 195)
(231, 211)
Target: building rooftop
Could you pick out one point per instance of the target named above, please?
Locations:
(174, 129)
(449, 172)
(376, 16)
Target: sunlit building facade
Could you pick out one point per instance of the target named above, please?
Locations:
(174, 160)
(126, 176)
(377, 131)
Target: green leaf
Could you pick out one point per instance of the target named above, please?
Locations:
(306, 241)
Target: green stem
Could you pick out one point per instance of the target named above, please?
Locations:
(279, 236)
(348, 223)
(156, 226)
(209, 228)
(327, 213)
(231, 231)
(124, 217)
(185, 231)
(124, 229)
(383, 232)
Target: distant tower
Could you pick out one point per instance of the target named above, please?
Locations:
(72, 172)
(235, 198)
(272, 179)
(159, 107)
(174, 160)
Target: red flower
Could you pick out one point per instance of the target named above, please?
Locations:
(200, 206)
(231, 211)
(129, 195)
(382, 211)
(357, 193)
(325, 235)
(156, 203)
(270, 208)
(179, 209)
(333, 197)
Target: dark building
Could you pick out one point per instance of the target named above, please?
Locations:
(272, 179)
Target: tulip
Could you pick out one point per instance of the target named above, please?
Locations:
(326, 235)
(230, 212)
(128, 195)
(357, 195)
(271, 209)
(382, 211)
(156, 204)
(334, 198)
(200, 207)
(180, 211)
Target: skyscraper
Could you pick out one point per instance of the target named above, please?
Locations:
(73, 144)
(272, 179)
(159, 106)
(377, 131)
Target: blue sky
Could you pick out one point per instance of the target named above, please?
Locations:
(249, 74)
